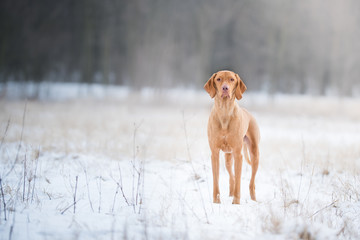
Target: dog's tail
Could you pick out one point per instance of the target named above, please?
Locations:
(246, 153)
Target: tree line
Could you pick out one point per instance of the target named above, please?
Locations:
(276, 46)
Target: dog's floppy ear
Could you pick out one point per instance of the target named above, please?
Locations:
(240, 87)
(209, 86)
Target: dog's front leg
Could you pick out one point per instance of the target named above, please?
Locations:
(238, 168)
(229, 166)
(215, 169)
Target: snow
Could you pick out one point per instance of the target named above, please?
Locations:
(307, 183)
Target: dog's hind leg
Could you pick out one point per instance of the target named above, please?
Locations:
(254, 153)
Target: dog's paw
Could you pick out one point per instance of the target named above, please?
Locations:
(217, 199)
(236, 200)
(253, 197)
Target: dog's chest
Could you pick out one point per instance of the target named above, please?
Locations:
(224, 144)
(224, 122)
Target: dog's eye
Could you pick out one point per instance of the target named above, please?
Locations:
(218, 79)
(232, 79)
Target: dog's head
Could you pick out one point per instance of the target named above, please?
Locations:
(225, 85)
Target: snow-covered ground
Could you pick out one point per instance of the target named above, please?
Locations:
(137, 166)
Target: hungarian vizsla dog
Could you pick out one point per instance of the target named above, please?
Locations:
(231, 129)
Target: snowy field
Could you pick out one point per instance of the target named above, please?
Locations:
(136, 165)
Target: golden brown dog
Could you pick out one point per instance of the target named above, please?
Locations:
(231, 129)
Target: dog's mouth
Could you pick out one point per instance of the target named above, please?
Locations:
(225, 94)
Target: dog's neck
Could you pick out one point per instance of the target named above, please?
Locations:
(225, 109)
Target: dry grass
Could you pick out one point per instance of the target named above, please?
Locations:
(324, 127)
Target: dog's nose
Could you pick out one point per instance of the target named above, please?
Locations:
(225, 88)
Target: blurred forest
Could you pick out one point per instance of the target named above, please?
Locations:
(308, 46)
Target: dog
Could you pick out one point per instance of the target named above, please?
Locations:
(231, 129)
